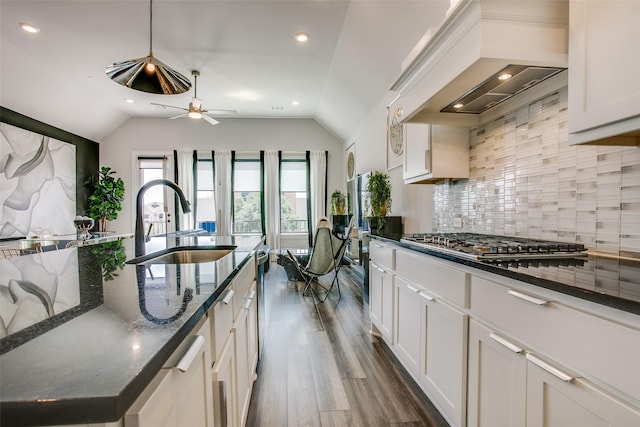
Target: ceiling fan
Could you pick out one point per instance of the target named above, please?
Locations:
(195, 110)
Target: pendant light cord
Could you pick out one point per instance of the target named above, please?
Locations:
(150, 27)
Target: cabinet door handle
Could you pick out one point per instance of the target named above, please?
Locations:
(426, 296)
(247, 303)
(377, 245)
(551, 369)
(189, 356)
(413, 289)
(380, 269)
(228, 296)
(222, 388)
(511, 346)
(527, 298)
(252, 294)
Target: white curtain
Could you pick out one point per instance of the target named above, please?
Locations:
(318, 177)
(272, 198)
(185, 181)
(223, 191)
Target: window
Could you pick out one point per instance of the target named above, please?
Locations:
(247, 206)
(293, 196)
(206, 203)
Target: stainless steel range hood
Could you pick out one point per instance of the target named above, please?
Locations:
(459, 62)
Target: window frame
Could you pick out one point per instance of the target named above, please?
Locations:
(303, 162)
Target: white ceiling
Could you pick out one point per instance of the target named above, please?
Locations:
(244, 50)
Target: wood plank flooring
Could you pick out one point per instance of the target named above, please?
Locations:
(321, 367)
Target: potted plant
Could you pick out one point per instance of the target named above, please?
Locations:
(379, 198)
(338, 203)
(106, 196)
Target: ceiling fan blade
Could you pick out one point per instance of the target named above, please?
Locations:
(178, 116)
(211, 120)
(220, 111)
(169, 106)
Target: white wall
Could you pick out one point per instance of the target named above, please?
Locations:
(160, 135)
(413, 202)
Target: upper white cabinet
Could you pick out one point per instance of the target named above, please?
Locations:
(435, 152)
(604, 88)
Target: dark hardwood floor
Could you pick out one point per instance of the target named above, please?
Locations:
(321, 367)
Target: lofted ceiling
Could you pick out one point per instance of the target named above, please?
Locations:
(245, 51)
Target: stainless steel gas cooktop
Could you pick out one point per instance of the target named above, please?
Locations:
(491, 247)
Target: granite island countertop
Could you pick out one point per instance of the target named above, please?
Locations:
(86, 350)
(611, 282)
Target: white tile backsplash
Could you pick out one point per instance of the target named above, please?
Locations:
(525, 180)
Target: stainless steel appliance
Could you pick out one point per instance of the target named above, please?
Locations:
(490, 247)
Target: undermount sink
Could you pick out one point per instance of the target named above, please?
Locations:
(184, 255)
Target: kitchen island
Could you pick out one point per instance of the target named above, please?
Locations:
(109, 329)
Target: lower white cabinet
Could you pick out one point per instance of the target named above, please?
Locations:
(381, 300)
(554, 400)
(223, 376)
(407, 331)
(443, 360)
(245, 346)
(180, 394)
(497, 379)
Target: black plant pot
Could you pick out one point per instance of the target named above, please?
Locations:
(392, 226)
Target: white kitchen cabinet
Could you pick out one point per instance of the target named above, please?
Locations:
(443, 360)
(604, 88)
(554, 400)
(245, 346)
(381, 300)
(407, 324)
(181, 393)
(382, 261)
(497, 379)
(435, 152)
(223, 375)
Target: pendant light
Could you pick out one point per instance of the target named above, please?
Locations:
(147, 74)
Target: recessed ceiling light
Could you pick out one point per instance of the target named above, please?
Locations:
(296, 103)
(129, 101)
(302, 37)
(505, 76)
(29, 28)
(458, 106)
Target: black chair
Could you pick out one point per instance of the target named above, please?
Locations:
(326, 257)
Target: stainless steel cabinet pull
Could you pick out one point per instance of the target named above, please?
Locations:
(426, 296)
(380, 269)
(413, 289)
(551, 369)
(527, 298)
(252, 294)
(247, 303)
(228, 296)
(189, 356)
(511, 346)
(377, 245)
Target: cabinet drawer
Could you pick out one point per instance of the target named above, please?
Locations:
(435, 277)
(241, 285)
(591, 345)
(221, 315)
(382, 255)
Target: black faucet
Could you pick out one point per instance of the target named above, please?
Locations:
(140, 235)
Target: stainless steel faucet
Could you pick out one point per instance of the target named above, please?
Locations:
(140, 235)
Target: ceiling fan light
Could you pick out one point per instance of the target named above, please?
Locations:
(195, 114)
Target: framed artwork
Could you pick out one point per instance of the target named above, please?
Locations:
(37, 184)
(395, 135)
(350, 162)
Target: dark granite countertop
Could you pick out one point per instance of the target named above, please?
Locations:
(81, 345)
(611, 282)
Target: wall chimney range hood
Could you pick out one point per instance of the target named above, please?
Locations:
(459, 63)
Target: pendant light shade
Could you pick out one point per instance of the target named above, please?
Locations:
(148, 74)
